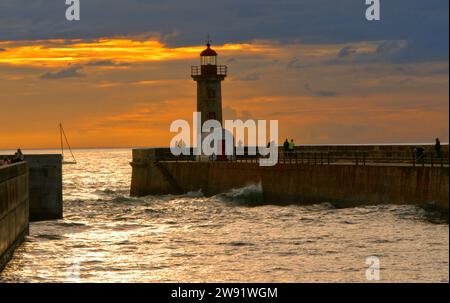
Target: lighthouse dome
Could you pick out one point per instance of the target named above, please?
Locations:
(208, 52)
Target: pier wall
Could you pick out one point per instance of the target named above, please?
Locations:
(13, 209)
(356, 185)
(45, 182)
(343, 184)
(209, 177)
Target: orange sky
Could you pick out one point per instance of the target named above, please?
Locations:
(126, 91)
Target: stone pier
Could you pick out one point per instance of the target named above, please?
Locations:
(14, 203)
(45, 182)
(344, 183)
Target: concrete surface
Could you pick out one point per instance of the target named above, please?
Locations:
(13, 209)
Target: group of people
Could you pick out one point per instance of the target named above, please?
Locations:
(17, 157)
(289, 147)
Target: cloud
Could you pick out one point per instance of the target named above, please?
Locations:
(309, 21)
(110, 52)
(231, 113)
(347, 51)
(319, 93)
(107, 63)
(250, 77)
(2, 49)
(295, 64)
(390, 47)
(371, 52)
(70, 72)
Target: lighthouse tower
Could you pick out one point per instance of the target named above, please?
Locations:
(209, 76)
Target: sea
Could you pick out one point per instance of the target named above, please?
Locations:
(108, 236)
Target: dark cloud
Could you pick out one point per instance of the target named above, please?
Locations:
(384, 52)
(70, 72)
(232, 60)
(106, 63)
(295, 64)
(319, 93)
(347, 51)
(2, 50)
(389, 47)
(423, 24)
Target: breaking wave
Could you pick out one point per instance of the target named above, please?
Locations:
(251, 195)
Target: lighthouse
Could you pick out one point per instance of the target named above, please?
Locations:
(209, 77)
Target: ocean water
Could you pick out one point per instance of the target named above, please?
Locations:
(108, 236)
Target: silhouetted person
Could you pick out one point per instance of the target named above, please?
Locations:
(18, 156)
(437, 148)
(286, 147)
(5, 161)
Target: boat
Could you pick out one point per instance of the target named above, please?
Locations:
(62, 135)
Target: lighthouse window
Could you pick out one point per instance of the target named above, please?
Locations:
(209, 60)
(211, 93)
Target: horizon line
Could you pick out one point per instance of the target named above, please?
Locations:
(144, 147)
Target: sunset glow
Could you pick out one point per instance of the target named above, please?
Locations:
(62, 52)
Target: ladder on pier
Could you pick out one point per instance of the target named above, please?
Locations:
(169, 178)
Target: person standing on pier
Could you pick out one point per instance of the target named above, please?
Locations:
(286, 147)
(291, 147)
(437, 148)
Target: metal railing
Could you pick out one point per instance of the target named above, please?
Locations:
(220, 70)
(362, 158)
(196, 71)
(319, 158)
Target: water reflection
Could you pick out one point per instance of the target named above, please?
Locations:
(107, 236)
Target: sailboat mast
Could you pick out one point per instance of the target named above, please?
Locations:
(61, 138)
(67, 141)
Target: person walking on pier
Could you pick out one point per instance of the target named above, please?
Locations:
(437, 148)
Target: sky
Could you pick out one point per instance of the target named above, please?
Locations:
(121, 75)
